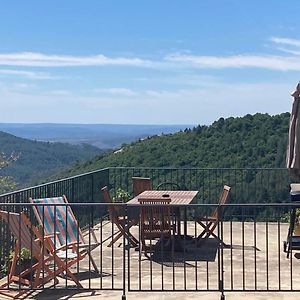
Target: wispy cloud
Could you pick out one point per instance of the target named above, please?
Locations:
(238, 61)
(116, 91)
(285, 41)
(60, 93)
(182, 59)
(265, 61)
(291, 46)
(28, 74)
(202, 106)
(31, 59)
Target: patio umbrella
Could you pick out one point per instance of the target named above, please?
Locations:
(293, 150)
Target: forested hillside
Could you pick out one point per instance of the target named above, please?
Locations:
(103, 136)
(37, 160)
(258, 140)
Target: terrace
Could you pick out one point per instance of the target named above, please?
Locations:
(253, 228)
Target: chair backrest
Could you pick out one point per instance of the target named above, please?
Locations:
(222, 201)
(169, 185)
(56, 216)
(155, 216)
(141, 184)
(21, 231)
(113, 211)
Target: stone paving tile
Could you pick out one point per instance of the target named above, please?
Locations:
(250, 263)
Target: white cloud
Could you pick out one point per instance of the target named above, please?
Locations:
(280, 63)
(60, 93)
(31, 59)
(186, 106)
(28, 74)
(184, 59)
(285, 41)
(291, 46)
(117, 92)
(270, 62)
(23, 85)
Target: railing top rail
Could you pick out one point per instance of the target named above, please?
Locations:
(137, 168)
(195, 168)
(286, 204)
(52, 182)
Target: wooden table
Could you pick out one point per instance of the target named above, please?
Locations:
(179, 199)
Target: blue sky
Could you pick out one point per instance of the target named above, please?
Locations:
(146, 62)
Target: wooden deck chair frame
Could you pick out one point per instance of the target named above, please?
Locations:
(120, 220)
(141, 184)
(155, 221)
(210, 223)
(63, 235)
(28, 236)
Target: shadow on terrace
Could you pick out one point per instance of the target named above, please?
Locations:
(83, 242)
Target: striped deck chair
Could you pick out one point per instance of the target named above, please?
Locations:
(42, 260)
(58, 219)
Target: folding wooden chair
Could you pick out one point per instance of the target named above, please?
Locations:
(117, 217)
(58, 219)
(43, 257)
(209, 223)
(169, 185)
(155, 221)
(141, 184)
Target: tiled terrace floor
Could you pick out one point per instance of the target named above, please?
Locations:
(254, 260)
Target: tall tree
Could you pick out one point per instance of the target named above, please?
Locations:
(6, 182)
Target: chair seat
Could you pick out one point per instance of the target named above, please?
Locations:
(66, 255)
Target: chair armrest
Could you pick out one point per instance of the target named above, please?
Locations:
(64, 247)
(92, 232)
(52, 234)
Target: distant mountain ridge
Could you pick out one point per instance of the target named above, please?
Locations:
(103, 136)
(252, 141)
(37, 160)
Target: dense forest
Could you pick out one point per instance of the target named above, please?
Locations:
(36, 160)
(251, 141)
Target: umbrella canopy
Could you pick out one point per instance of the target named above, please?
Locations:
(293, 150)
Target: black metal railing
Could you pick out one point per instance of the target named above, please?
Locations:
(256, 185)
(262, 186)
(242, 254)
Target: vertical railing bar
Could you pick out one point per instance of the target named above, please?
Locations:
(112, 250)
(278, 245)
(90, 226)
(151, 262)
(140, 251)
(126, 245)
(243, 245)
(101, 251)
(184, 246)
(255, 253)
(55, 241)
(160, 211)
(231, 257)
(267, 253)
(196, 262)
(291, 253)
(43, 244)
(173, 248)
(67, 242)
